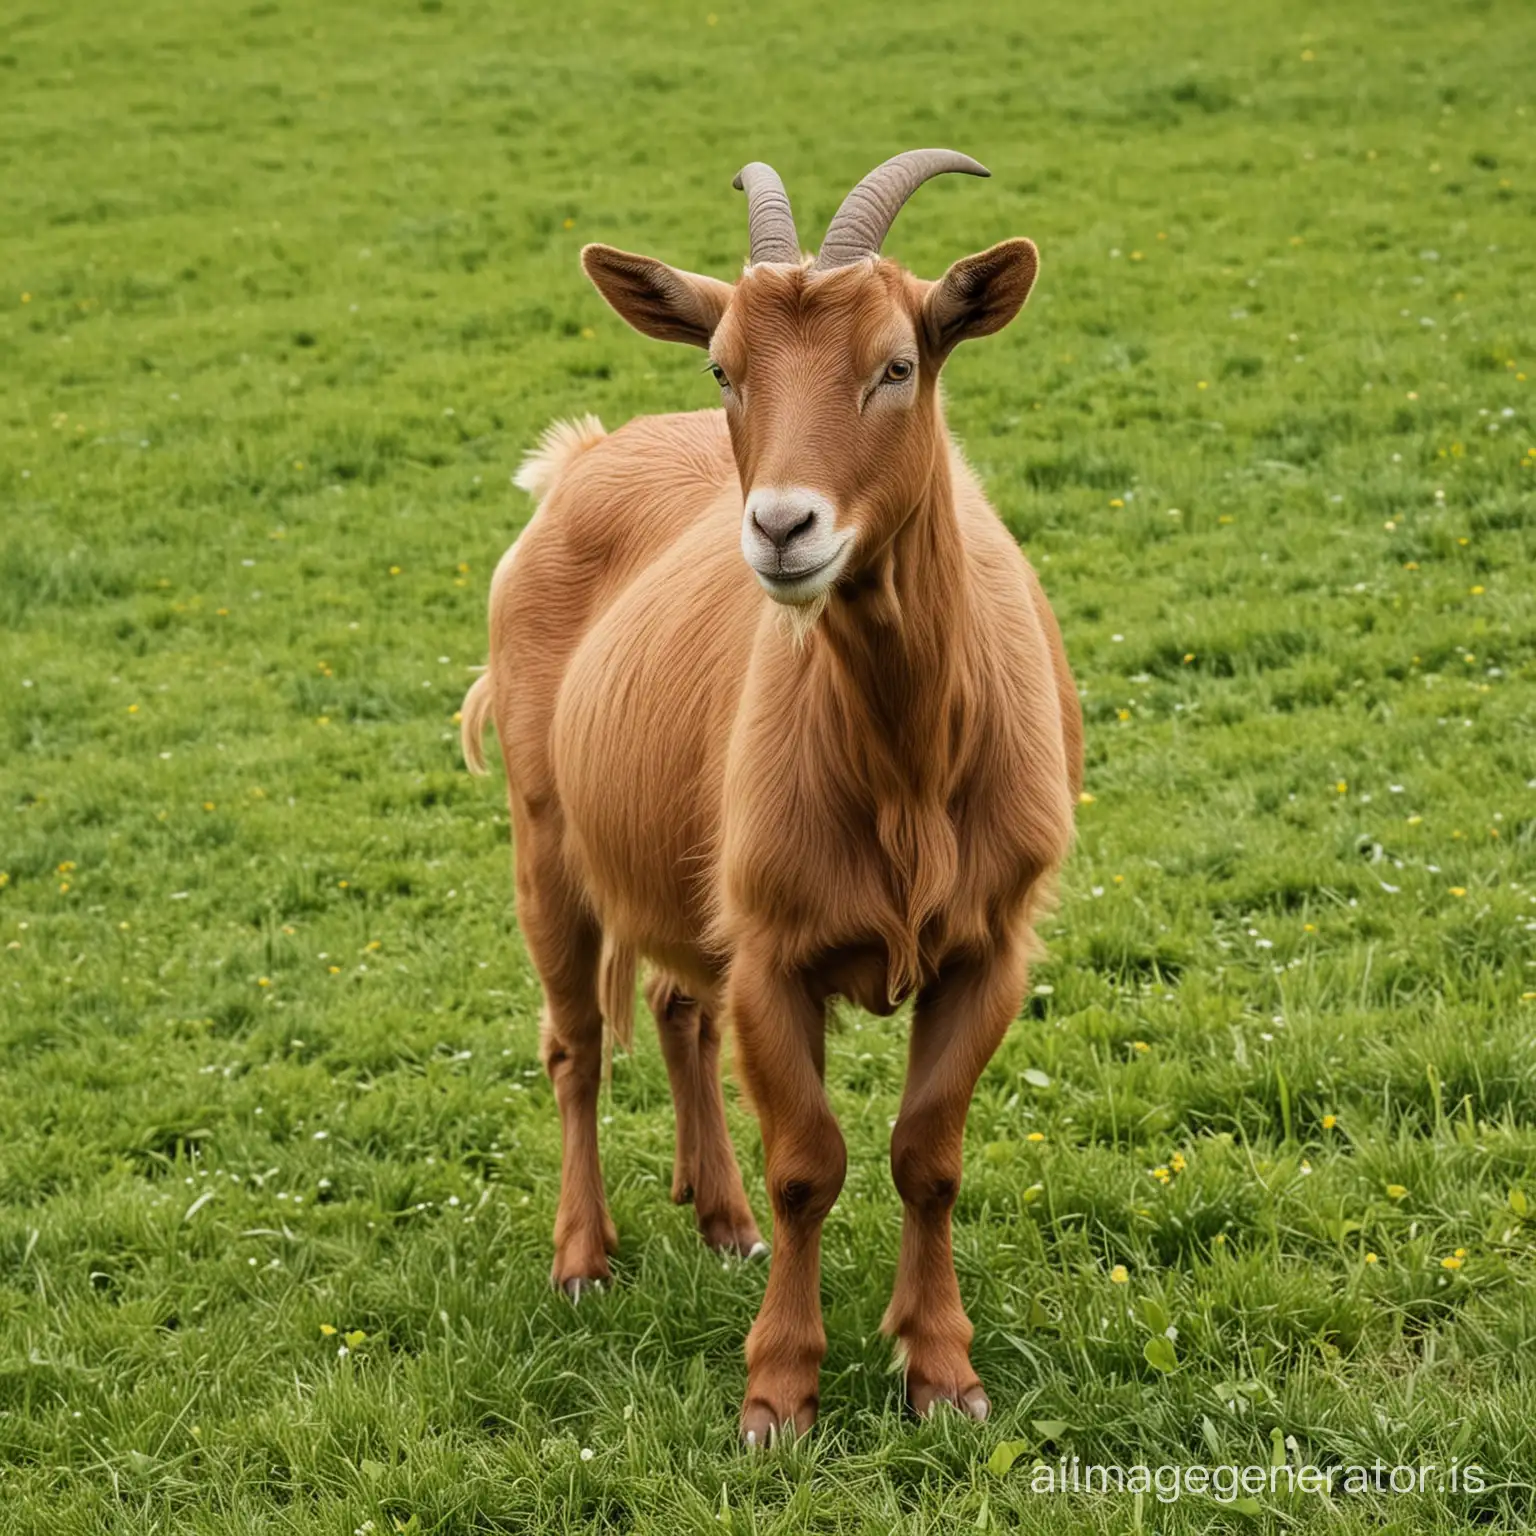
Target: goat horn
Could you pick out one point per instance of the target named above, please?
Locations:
(862, 223)
(770, 223)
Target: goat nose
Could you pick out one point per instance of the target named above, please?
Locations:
(782, 521)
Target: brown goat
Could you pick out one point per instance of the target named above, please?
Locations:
(845, 766)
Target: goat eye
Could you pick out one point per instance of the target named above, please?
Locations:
(898, 372)
(720, 377)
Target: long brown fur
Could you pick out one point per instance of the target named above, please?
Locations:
(871, 802)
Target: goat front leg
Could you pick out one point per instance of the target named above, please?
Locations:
(780, 1026)
(959, 1021)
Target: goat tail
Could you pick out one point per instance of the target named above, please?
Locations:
(616, 997)
(476, 708)
(561, 442)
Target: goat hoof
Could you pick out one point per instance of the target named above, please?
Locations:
(733, 1235)
(763, 1427)
(927, 1400)
(582, 1285)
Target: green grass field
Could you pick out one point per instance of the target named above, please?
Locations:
(286, 291)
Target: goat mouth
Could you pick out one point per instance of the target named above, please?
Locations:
(803, 586)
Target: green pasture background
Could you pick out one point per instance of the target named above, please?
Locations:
(285, 292)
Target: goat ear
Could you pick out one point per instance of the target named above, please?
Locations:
(658, 300)
(980, 294)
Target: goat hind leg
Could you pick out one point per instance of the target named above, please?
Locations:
(566, 945)
(704, 1169)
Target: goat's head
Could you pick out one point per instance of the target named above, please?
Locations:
(828, 369)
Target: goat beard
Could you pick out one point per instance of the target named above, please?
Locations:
(797, 621)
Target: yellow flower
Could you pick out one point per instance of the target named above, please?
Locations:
(327, 1329)
(1458, 890)
(458, 716)
(1453, 1262)
(133, 709)
(1115, 501)
(1202, 385)
(1329, 1121)
(1528, 997)
(1161, 1175)
(1410, 565)
(1342, 786)
(1085, 798)
(1189, 656)
(463, 568)
(1309, 927)
(5, 879)
(1396, 1191)
(1220, 1240)
(208, 805)
(67, 867)
(263, 981)
(1415, 821)
(323, 720)
(1124, 714)
(1370, 1258)
(1461, 1253)
(335, 970)
(1120, 1275)
(1477, 591)
(1140, 1045)
(1177, 1163)
(394, 570)
(373, 944)
(1035, 1136)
